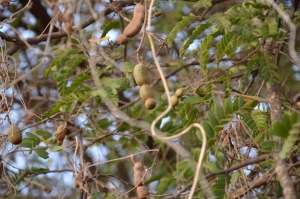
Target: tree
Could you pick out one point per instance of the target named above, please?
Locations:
(75, 94)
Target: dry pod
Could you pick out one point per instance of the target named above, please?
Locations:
(150, 104)
(47, 189)
(122, 39)
(157, 14)
(142, 192)
(179, 92)
(14, 134)
(140, 75)
(138, 178)
(138, 166)
(76, 184)
(135, 26)
(61, 132)
(146, 92)
(174, 100)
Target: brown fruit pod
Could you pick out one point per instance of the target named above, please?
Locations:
(179, 92)
(138, 166)
(142, 191)
(138, 178)
(174, 100)
(140, 75)
(14, 134)
(76, 184)
(61, 132)
(122, 39)
(146, 92)
(135, 26)
(150, 104)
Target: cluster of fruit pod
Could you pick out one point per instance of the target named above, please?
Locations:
(138, 174)
(175, 98)
(135, 26)
(141, 78)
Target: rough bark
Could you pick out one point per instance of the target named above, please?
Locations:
(281, 168)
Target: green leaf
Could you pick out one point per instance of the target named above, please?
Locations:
(268, 145)
(26, 144)
(289, 142)
(211, 167)
(250, 123)
(104, 123)
(219, 111)
(280, 129)
(193, 99)
(202, 4)
(204, 50)
(45, 134)
(267, 67)
(110, 25)
(29, 142)
(163, 184)
(260, 119)
(128, 67)
(226, 46)
(219, 187)
(196, 154)
(186, 20)
(294, 117)
(182, 165)
(187, 173)
(32, 136)
(219, 128)
(43, 154)
(220, 21)
(257, 5)
(167, 126)
(208, 129)
(211, 142)
(269, 28)
(212, 119)
(250, 105)
(57, 148)
(153, 179)
(198, 30)
(123, 83)
(228, 107)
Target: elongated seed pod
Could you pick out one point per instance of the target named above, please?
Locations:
(138, 166)
(61, 132)
(146, 92)
(135, 26)
(138, 176)
(142, 191)
(140, 75)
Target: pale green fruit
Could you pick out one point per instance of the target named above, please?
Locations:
(174, 100)
(146, 92)
(179, 92)
(140, 75)
(14, 134)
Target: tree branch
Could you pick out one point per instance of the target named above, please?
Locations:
(281, 169)
(19, 42)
